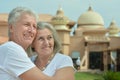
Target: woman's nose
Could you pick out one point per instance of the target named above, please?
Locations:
(46, 42)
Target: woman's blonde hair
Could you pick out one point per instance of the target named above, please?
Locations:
(57, 42)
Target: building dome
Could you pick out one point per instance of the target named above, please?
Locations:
(113, 29)
(91, 18)
(60, 18)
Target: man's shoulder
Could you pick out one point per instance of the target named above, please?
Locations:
(10, 45)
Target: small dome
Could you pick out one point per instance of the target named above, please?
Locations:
(60, 12)
(113, 29)
(90, 18)
(113, 26)
(60, 18)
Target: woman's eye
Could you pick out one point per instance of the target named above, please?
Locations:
(50, 37)
(40, 38)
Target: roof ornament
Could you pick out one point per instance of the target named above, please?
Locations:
(90, 8)
(60, 11)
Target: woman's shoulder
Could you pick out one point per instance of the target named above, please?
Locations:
(63, 60)
(62, 56)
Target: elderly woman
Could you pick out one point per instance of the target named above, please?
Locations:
(49, 59)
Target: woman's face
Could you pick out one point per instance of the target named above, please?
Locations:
(44, 42)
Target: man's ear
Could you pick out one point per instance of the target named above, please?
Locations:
(10, 28)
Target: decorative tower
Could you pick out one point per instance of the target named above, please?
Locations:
(60, 22)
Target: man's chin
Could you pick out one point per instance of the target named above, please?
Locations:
(29, 42)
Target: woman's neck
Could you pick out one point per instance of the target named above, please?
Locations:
(42, 61)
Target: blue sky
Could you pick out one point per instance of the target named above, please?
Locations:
(109, 9)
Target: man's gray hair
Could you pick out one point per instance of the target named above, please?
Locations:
(15, 14)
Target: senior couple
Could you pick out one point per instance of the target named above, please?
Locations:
(25, 32)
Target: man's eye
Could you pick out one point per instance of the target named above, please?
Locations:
(34, 26)
(25, 24)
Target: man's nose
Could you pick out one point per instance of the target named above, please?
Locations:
(31, 28)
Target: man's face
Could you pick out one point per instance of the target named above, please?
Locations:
(24, 30)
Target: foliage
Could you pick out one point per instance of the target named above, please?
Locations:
(88, 76)
(110, 75)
